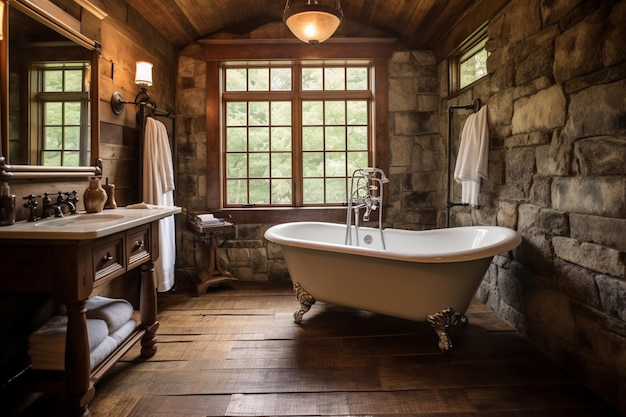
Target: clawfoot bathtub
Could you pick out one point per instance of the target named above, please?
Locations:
(420, 275)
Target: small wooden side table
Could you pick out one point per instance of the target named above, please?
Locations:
(215, 273)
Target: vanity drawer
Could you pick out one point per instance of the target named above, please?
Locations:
(108, 257)
(138, 245)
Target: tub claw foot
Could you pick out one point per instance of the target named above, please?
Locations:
(441, 322)
(305, 299)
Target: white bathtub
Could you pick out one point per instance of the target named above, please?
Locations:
(420, 275)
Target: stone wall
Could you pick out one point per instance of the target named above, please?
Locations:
(555, 96)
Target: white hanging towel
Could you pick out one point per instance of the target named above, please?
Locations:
(158, 189)
(473, 159)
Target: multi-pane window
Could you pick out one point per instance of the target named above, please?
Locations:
(469, 63)
(473, 64)
(62, 110)
(294, 134)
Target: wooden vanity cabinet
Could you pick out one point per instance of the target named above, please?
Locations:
(71, 269)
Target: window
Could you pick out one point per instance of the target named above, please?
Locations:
(469, 63)
(294, 134)
(288, 201)
(61, 108)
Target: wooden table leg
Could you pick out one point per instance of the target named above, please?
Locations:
(79, 390)
(148, 309)
(215, 273)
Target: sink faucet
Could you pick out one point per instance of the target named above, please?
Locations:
(70, 201)
(31, 204)
(48, 206)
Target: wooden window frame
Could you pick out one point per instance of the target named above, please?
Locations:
(468, 46)
(217, 51)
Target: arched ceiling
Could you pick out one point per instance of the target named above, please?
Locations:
(418, 24)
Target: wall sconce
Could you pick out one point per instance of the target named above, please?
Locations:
(312, 22)
(143, 78)
(1, 20)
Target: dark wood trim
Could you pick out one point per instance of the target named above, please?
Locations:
(461, 30)
(264, 49)
(378, 49)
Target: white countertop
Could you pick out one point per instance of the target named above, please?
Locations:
(86, 226)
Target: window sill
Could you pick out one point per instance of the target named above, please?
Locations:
(282, 215)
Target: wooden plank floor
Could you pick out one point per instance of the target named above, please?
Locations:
(237, 352)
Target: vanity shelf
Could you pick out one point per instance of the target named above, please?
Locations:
(69, 259)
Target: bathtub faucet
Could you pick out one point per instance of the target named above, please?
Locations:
(366, 192)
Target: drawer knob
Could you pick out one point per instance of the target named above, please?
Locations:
(107, 257)
(138, 244)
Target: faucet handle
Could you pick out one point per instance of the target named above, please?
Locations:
(31, 204)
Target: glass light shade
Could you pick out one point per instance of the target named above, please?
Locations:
(313, 23)
(143, 74)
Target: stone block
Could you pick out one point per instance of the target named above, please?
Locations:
(553, 222)
(258, 260)
(401, 151)
(520, 19)
(427, 103)
(191, 101)
(507, 214)
(591, 256)
(532, 87)
(553, 11)
(576, 51)
(534, 57)
(607, 231)
(425, 181)
(599, 110)
(602, 196)
(540, 191)
(544, 110)
(424, 57)
(423, 156)
(402, 94)
(603, 155)
(528, 139)
(612, 295)
(520, 163)
(501, 108)
(536, 248)
(427, 85)
(418, 199)
(614, 35)
(578, 282)
(555, 159)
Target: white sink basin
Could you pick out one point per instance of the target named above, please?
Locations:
(83, 226)
(84, 219)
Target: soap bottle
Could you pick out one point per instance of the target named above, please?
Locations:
(7, 205)
(110, 190)
(94, 196)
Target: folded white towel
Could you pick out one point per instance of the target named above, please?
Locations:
(55, 361)
(102, 351)
(114, 311)
(51, 336)
(123, 332)
(473, 159)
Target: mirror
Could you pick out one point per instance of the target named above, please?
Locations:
(51, 82)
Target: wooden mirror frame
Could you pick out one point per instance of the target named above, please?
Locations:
(41, 171)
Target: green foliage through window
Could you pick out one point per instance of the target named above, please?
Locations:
(63, 107)
(294, 135)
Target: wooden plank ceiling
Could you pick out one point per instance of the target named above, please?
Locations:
(418, 24)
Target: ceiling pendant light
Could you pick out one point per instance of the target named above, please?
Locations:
(312, 22)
